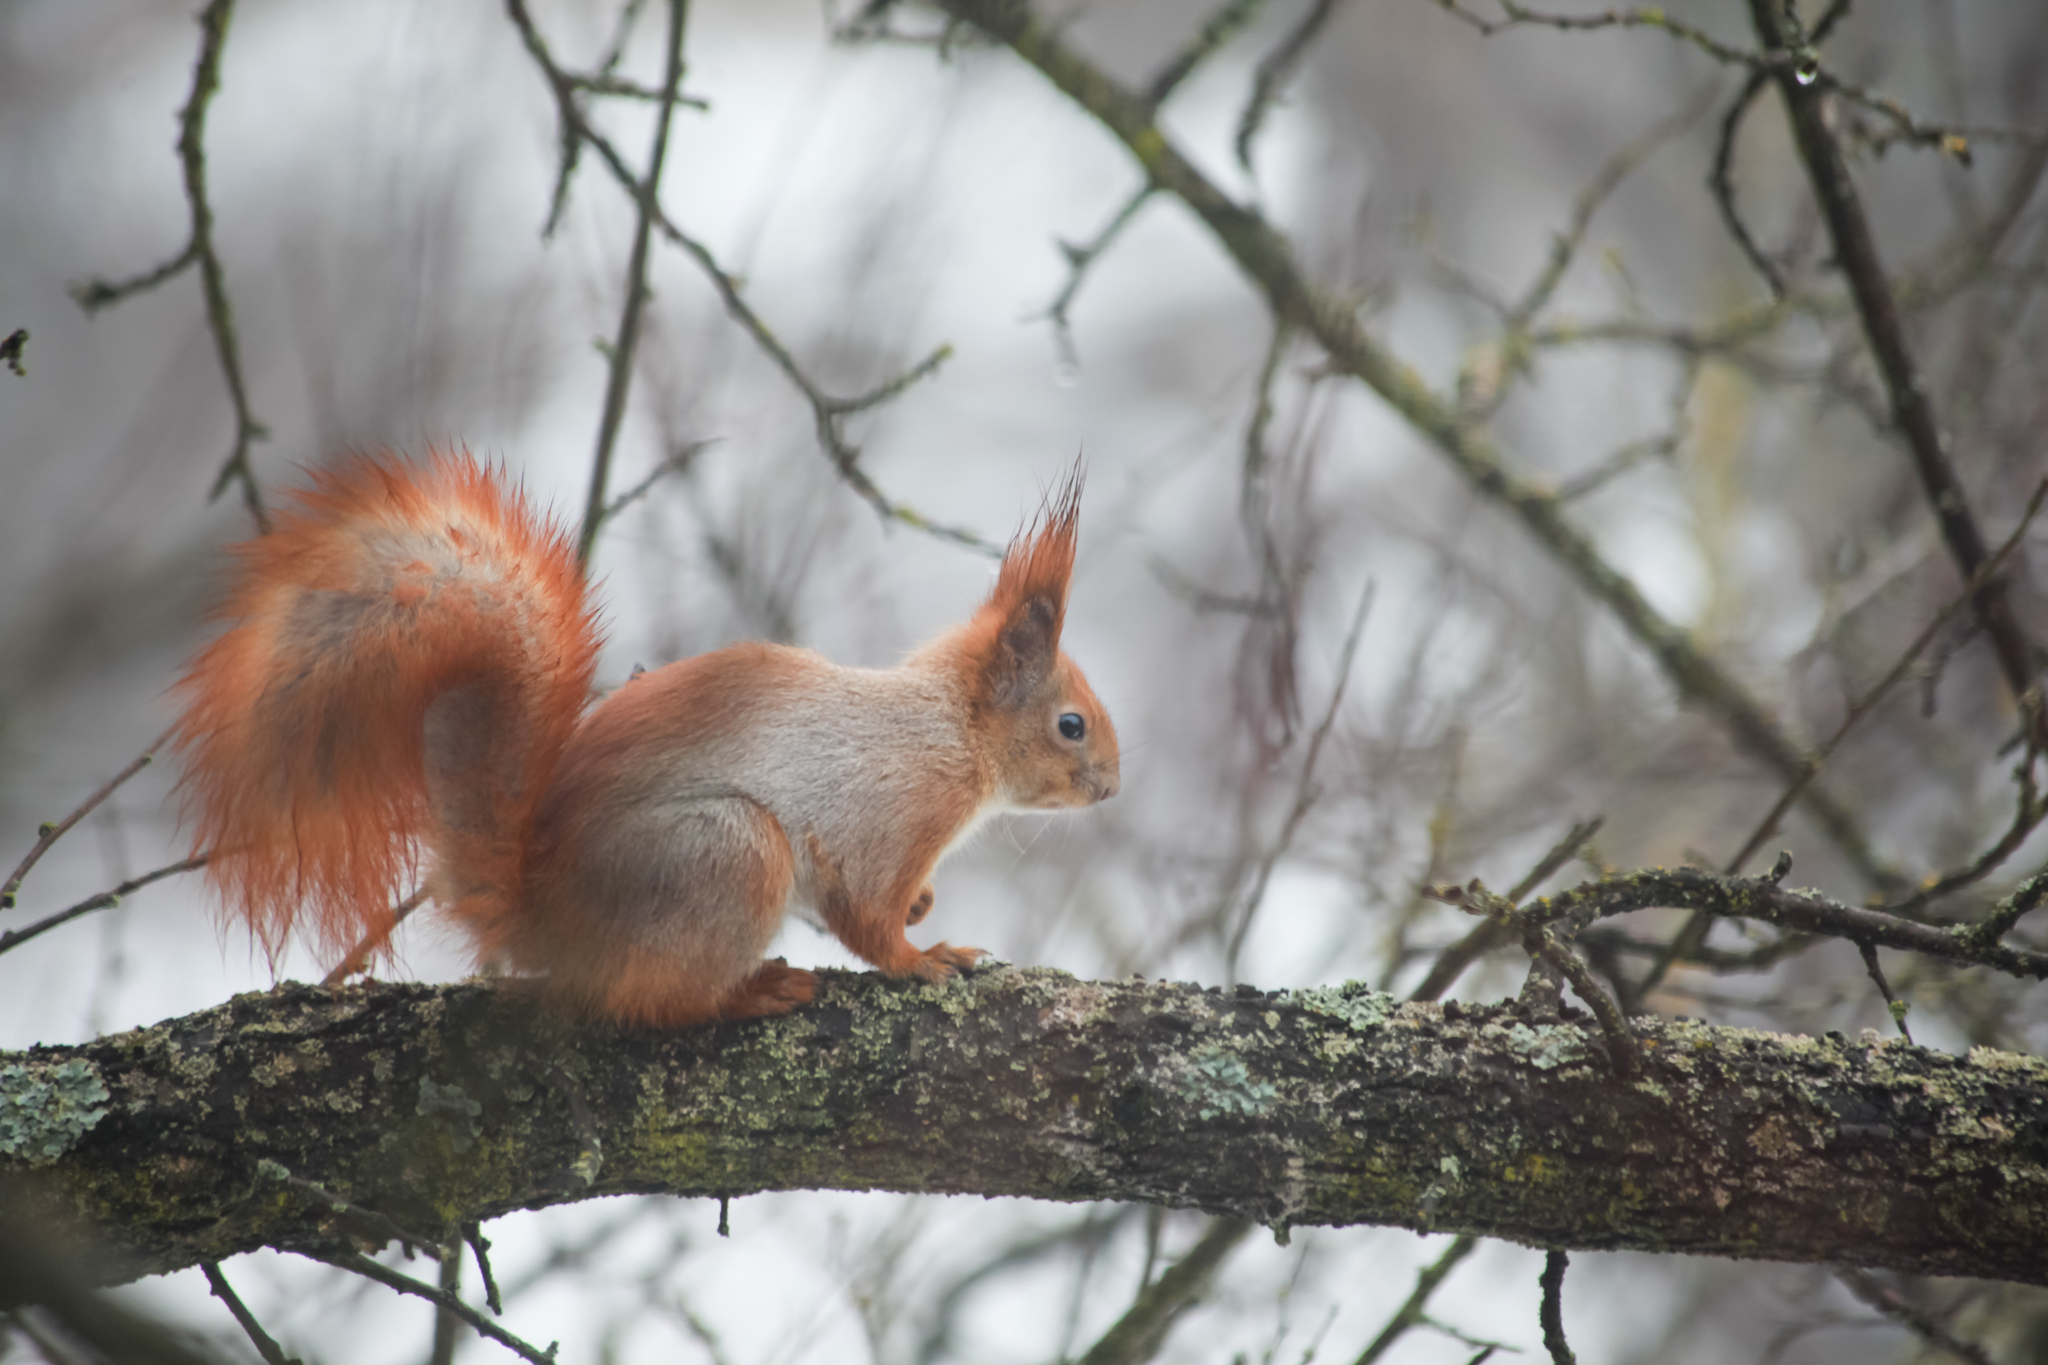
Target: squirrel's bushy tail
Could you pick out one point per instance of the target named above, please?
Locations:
(409, 650)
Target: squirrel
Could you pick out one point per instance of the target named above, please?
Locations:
(408, 663)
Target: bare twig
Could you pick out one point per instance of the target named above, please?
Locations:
(481, 1246)
(1896, 1006)
(371, 1270)
(1278, 588)
(1267, 259)
(1411, 1313)
(1305, 792)
(1552, 1312)
(2026, 897)
(1079, 258)
(445, 1321)
(1659, 447)
(1888, 1301)
(1720, 181)
(1856, 251)
(96, 294)
(1545, 944)
(1276, 68)
(674, 463)
(1488, 935)
(50, 834)
(1762, 898)
(105, 900)
(1225, 24)
(265, 1346)
(1138, 1334)
(1898, 672)
(828, 413)
(1088, 1233)
(369, 1222)
(619, 357)
(359, 956)
(11, 349)
(2028, 814)
(1564, 246)
(1515, 15)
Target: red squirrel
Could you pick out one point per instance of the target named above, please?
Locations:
(410, 656)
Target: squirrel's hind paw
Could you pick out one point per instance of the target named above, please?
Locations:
(777, 988)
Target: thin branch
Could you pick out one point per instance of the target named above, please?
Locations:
(2027, 817)
(371, 1270)
(2026, 897)
(359, 956)
(1079, 258)
(674, 463)
(1624, 1049)
(105, 900)
(1411, 1313)
(1541, 939)
(1762, 898)
(265, 1346)
(1305, 791)
(50, 834)
(1875, 970)
(1888, 1301)
(1488, 935)
(619, 357)
(1661, 447)
(622, 88)
(1139, 1333)
(1225, 24)
(445, 1321)
(1088, 1233)
(1515, 15)
(1267, 259)
(1856, 252)
(220, 316)
(827, 412)
(1898, 672)
(479, 1244)
(1278, 588)
(367, 1222)
(1552, 1312)
(11, 349)
(1721, 183)
(1564, 246)
(93, 295)
(1276, 68)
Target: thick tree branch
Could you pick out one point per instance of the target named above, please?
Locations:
(439, 1106)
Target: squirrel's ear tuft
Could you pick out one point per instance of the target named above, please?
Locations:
(1029, 604)
(1040, 559)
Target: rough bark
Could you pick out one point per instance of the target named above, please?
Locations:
(437, 1105)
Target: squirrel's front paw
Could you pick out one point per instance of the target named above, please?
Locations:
(920, 907)
(941, 961)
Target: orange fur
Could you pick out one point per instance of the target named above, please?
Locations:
(407, 665)
(304, 722)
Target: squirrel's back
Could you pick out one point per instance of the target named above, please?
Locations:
(408, 652)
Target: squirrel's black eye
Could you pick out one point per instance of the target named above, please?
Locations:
(1072, 726)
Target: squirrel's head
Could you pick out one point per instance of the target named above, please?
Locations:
(1053, 743)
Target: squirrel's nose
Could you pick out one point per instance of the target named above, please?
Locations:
(1105, 785)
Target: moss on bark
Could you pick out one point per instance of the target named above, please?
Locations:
(436, 1106)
